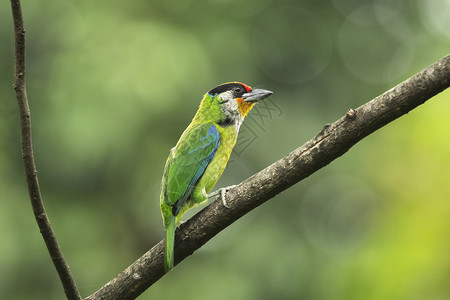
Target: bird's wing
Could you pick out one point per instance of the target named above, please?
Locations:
(190, 158)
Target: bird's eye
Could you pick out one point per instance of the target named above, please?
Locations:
(238, 89)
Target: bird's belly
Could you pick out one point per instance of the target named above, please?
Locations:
(216, 167)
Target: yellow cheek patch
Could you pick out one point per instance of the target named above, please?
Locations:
(244, 107)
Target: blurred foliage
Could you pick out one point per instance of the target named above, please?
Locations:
(112, 85)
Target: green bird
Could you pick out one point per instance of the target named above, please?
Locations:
(201, 154)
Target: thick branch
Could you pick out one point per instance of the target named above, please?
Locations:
(333, 141)
(27, 153)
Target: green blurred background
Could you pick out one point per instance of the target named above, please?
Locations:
(112, 85)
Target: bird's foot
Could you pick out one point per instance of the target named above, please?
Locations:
(221, 193)
(179, 224)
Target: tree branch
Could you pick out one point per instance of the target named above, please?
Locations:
(56, 255)
(332, 142)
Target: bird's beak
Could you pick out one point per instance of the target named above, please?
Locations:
(256, 94)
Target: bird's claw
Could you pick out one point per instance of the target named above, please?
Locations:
(222, 195)
(221, 192)
(179, 224)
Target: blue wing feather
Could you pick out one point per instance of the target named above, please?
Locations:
(191, 164)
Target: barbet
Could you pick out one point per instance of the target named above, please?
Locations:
(200, 156)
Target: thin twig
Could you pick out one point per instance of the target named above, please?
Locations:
(54, 250)
(332, 142)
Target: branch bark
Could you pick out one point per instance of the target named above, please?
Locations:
(333, 141)
(40, 214)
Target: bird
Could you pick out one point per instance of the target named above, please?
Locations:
(201, 154)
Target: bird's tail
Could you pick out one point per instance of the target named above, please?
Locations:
(169, 244)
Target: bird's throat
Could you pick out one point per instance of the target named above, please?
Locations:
(244, 107)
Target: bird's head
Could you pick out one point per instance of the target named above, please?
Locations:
(235, 99)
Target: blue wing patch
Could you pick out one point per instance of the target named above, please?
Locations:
(195, 161)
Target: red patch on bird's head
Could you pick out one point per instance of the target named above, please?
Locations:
(244, 107)
(247, 88)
